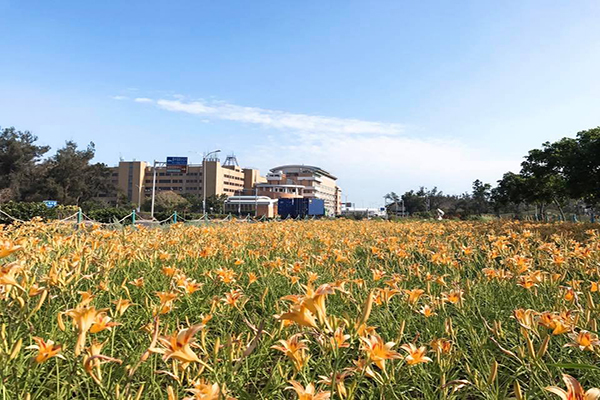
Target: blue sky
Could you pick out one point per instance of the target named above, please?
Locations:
(387, 95)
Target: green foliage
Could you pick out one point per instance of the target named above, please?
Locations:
(27, 211)
(19, 157)
(68, 176)
(559, 173)
(481, 328)
(564, 175)
(110, 214)
(72, 179)
(215, 204)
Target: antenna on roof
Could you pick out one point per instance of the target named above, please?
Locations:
(231, 161)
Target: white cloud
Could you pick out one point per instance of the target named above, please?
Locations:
(369, 158)
(368, 167)
(281, 120)
(120, 98)
(143, 100)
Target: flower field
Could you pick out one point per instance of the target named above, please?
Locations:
(300, 310)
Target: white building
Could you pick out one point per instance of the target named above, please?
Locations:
(306, 181)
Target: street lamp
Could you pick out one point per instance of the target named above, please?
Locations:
(139, 207)
(204, 179)
(156, 163)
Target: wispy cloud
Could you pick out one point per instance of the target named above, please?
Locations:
(370, 166)
(120, 98)
(370, 158)
(281, 120)
(143, 100)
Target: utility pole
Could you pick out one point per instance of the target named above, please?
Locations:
(204, 179)
(385, 206)
(153, 189)
(139, 207)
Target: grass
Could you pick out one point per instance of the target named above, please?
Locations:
(493, 269)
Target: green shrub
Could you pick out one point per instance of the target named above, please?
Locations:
(27, 211)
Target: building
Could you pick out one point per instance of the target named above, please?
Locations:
(292, 181)
(277, 187)
(364, 212)
(135, 179)
(396, 209)
(259, 206)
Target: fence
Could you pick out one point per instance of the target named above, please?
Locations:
(134, 218)
(553, 217)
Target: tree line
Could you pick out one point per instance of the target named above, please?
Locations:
(561, 177)
(27, 174)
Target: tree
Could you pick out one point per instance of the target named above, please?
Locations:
(216, 204)
(510, 192)
(543, 170)
(580, 165)
(169, 201)
(392, 197)
(414, 202)
(72, 179)
(481, 197)
(19, 158)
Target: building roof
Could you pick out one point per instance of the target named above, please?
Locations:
(250, 200)
(279, 185)
(308, 167)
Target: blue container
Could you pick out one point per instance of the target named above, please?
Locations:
(285, 208)
(301, 207)
(316, 207)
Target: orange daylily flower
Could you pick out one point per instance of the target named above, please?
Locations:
(166, 301)
(295, 349)
(7, 248)
(177, 346)
(454, 297)
(102, 322)
(574, 390)
(138, 282)
(584, 340)
(413, 295)
(121, 306)
(203, 390)
(339, 339)
(441, 345)
(378, 351)
(308, 393)
(427, 311)
(299, 314)
(416, 355)
(83, 318)
(46, 350)
(93, 361)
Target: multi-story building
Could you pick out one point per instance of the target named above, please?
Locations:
(288, 181)
(135, 179)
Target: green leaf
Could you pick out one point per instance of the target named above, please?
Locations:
(574, 366)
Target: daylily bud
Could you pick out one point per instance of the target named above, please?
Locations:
(16, 349)
(544, 346)
(493, 373)
(518, 394)
(61, 324)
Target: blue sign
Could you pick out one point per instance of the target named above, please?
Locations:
(177, 161)
(50, 203)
